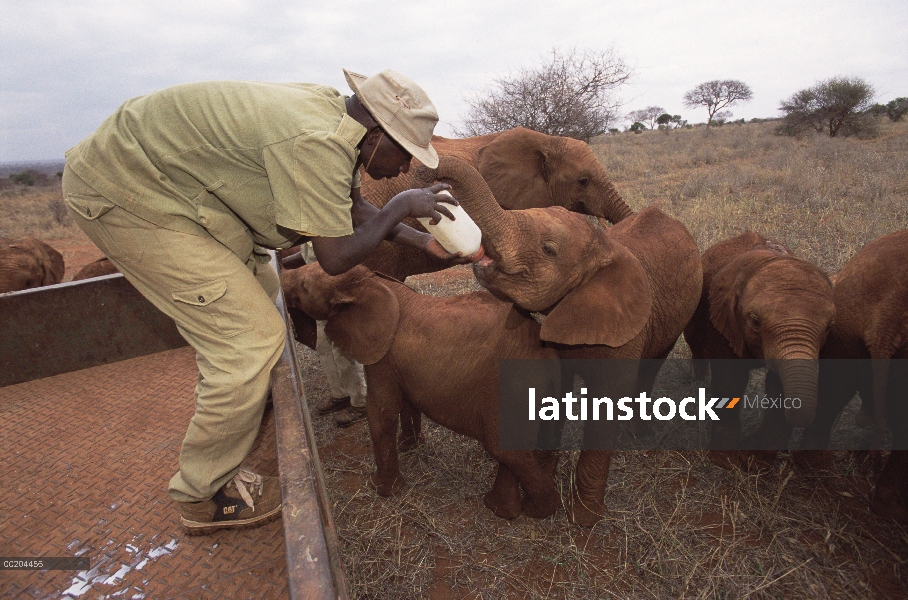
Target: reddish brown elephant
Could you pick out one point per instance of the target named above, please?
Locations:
(97, 268)
(522, 168)
(435, 356)
(760, 306)
(623, 293)
(870, 329)
(28, 263)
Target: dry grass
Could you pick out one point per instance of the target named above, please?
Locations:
(823, 197)
(678, 527)
(35, 211)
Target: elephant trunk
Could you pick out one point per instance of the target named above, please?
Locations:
(473, 193)
(610, 205)
(798, 368)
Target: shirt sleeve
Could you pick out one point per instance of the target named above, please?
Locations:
(311, 176)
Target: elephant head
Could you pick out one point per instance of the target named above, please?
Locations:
(361, 323)
(525, 169)
(772, 305)
(537, 257)
(28, 263)
(528, 169)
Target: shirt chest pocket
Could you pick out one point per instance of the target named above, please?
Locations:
(222, 223)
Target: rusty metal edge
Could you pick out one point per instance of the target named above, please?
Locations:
(314, 566)
(75, 325)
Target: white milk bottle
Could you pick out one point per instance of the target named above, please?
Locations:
(460, 235)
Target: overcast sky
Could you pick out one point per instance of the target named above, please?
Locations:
(65, 65)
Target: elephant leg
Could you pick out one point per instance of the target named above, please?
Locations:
(410, 428)
(549, 436)
(383, 408)
(613, 379)
(504, 497)
(587, 503)
(838, 384)
(547, 460)
(541, 498)
(890, 498)
(729, 379)
(646, 379)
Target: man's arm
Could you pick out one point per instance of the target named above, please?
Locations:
(371, 225)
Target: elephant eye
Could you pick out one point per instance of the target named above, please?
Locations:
(753, 321)
(584, 181)
(550, 249)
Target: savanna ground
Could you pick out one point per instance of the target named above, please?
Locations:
(677, 525)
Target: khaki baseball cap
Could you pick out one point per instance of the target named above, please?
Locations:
(402, 109)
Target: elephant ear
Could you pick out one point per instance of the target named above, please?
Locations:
(515, 165)
(610, 309)
(54, 267)
(364, 319)
(725, 294)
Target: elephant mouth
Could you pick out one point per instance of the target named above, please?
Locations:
(485, 261)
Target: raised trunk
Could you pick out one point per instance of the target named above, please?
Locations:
(473, 193)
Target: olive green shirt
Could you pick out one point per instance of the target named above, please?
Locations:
(246, 162)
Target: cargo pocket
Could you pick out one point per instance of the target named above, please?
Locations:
(206, 307)
(91, 209)
(222, 224)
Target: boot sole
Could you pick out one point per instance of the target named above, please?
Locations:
(204, 528)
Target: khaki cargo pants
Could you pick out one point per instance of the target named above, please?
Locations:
(223, 306)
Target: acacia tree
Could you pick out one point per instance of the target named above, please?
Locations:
(648, 116)
(829, 105)
(569, 95)
(667, 121)
(717, 94)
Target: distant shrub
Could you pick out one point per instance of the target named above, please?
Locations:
(834, 105)
(896, 109)
(24, 178)
(637, 127)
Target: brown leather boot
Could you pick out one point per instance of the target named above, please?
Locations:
(350, 415)
(248, 500)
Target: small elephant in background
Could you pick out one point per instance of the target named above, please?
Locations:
(761, 305)
(28, 263)
(97, 268)
(871, 328)
(435, 356)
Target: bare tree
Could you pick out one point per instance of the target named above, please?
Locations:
(718, 94)
(648, 116)
(829, 105)
(569, 95)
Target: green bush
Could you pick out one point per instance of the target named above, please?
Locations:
(896, 109)
(25, 178)
(834, 105)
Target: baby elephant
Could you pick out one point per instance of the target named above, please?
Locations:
(762, 303)
(436, 356)
(28, 263)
